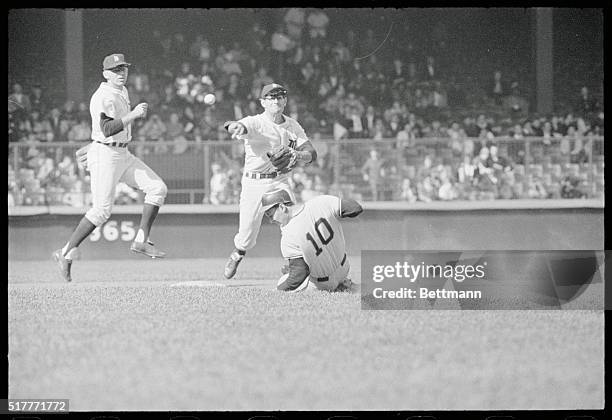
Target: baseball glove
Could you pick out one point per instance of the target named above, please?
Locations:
(283, 157)
(81, 156)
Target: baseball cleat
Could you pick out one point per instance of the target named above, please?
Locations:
(148, 249)
(346, 285)
(232, 264)
(64, 265)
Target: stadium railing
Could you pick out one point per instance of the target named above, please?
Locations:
(187, 167)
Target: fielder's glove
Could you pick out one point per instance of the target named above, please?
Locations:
(81, 156)
(283, 157)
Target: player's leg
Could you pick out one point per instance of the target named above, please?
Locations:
(103, 170)
(249, 223)
(140, 176)
(337, 281)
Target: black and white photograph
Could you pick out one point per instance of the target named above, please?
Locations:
(344, 213)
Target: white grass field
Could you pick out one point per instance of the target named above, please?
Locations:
(173, 335)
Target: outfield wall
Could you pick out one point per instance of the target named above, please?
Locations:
(207, 231)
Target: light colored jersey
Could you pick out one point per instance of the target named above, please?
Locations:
(263, 135)
(115, 103)
(316, 235)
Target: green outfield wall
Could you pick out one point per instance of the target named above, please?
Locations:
(207, 231)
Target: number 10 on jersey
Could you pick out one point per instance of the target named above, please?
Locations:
(324, 237)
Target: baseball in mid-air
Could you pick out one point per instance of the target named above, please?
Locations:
(209, 99)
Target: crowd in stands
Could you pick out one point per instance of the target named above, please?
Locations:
(406, 94)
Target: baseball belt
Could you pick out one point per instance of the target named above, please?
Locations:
(327, 278)
(257, 175)
(113, 144)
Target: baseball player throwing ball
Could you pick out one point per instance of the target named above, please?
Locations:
(312, 240)
(274, 144)
(109, 161)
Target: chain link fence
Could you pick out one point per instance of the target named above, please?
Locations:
(369, 170)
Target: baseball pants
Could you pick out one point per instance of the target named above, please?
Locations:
(251, 212)
(110, 165)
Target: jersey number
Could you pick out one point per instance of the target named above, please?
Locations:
(324, 240)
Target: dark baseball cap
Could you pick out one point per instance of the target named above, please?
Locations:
(273, 89)
(114, 60)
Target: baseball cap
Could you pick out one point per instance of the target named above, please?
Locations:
(114, 60)
(273, 89)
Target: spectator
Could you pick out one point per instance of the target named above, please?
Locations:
(82, 112)
(281, 44)
(586, 104)
(260, 80)
(470, 127)
(547, 132)
(484, 178)
(408, 192)
(395, 125)
(80, 132)
(566, 142)
(431, 69)
(317, 23)
(19, 101)
(515, 103)
(154, 130)
(175, 133)
(535, 187)
(40, 127)
(218, 185)
(371, 172)
(447, 190)
(437, 131)
(370, 118)
(497, 90)
(189, 123)
(200, 49)
(406, 138)
(578, 153)
(355, 123)
(380, 130)
(294, 22)
(558, 126)
(499, 164)
(570, 187)
(38, 101)
(258, 46)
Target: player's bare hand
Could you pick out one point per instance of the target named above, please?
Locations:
(237, 129)
(140, 110)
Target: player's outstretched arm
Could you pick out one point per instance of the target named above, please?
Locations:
(350, 208)
(235, 128)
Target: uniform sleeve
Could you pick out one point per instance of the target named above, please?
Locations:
(289, 248)
(350, 208)
(108, 107)
(301, 134)
(251, 124)
(96, 108)
(330, 202)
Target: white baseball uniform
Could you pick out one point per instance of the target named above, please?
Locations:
(315, 234)
(259, 175)
(109, 164)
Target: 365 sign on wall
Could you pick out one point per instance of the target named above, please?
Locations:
(113, 230)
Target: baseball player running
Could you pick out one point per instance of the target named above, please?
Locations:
(274, 145)
(312, 240)
(109, 162)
